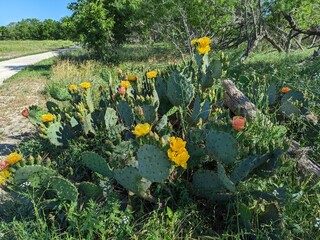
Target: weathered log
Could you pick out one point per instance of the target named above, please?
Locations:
(239, 104)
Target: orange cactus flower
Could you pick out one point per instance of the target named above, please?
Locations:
(238, 123)
(4, 165)
(25, 112)
(285, 89)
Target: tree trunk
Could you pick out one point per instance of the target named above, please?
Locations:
(238, 103)
(251, 46)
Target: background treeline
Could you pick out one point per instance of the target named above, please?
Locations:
(34, 29)
(281, 24)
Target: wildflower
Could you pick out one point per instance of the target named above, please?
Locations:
(85, 85)
(179, 158)
(178, 152)
(25, 112)
(194, 41)
(141, 129)
(285, 89)
(48, 117)
(152, 74)
(4, 165)
(122, 90)
(119, 70)
(203, 44)
(73, 87)
(203, 50)
(177, 144)
(132, 78)
(3, 176)
(13, 158)
(204, 41)
(125, 84)
(238, 123)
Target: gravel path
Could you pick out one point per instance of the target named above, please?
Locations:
(10, 67)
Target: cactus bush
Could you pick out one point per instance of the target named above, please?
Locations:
(143, 134)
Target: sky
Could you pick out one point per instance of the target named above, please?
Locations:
(16, 10)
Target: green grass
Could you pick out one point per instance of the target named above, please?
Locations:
(12, 49)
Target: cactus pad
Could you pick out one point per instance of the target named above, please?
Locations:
(59, 134)
(153, 163)
(149, 113)
(110, 118)
(179, 89)
(96, 163)
(90, 190)
(64, 188)
(35, 174)
(125, 112)
(130, 178)
(289, 109)
(222, 146)
(227, 183)
(206, 183)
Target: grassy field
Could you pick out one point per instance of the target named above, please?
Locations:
(295, 215)
(13, 49)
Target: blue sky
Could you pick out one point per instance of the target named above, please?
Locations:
(16, 10)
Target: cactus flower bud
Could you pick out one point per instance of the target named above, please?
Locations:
(3, 165)
(122, 90)
(25, 112)
(238, 123)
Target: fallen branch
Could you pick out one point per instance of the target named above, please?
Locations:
(239, 104)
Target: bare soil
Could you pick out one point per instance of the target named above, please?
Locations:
(14, 97)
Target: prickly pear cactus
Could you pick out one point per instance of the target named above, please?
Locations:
(225, 180)
(110, 118)
(293, 95)
(244, 168)
(206, 183)
(96, 163)
(130, 178)
(59, 134)
(149, 113)
(60, 94)
(222, 146)
(214, 71)
(272, 93)
(35, 114)
(35, 174)
(153, 163)
(90, 190)
(180, 90)
(88, 124)
(288, 109)
(125, 112)
(64, 188)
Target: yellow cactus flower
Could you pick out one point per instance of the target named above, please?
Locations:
(152, 74)
(3, 176)
(73, 87)
(141, 129)
(85, 85)
(203, 50)
(177, 144)
(179, 158)
(194, 41)
(132, 78)
(125, 84)
(204, 41)
(48, 117)
(13, 158)
(203, 44)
